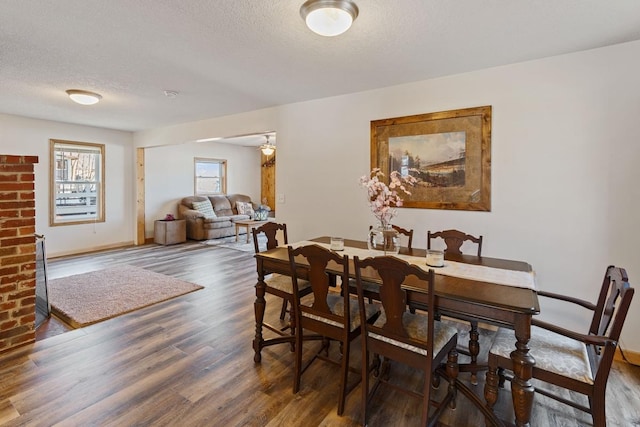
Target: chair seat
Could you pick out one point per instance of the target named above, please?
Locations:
(336, 305)
(553, 352)
(416, 327)
(282, 283)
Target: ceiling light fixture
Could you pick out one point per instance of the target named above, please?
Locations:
(267, 148)
(84, 97)
(329, 17)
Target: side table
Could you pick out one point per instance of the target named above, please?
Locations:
(170, 232)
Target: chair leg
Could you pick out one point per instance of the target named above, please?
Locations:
(292, 325)
(597, 406)
(365, 381)
(491, 389)
(344, 366)
(297, 361)
(474, 350)
(452, 372)
(283, 310)
(426, 401)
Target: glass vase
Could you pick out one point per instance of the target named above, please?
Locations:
(383, 240)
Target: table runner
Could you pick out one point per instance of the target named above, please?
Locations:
(521, 279)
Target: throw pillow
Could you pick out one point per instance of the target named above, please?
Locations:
(205, 208)
(245, 208)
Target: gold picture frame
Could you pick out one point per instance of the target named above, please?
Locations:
(449, 152)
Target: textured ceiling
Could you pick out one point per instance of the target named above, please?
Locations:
(230, 56)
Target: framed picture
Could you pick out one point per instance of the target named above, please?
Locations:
(449, 152)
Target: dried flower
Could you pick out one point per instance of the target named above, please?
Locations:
(384, 199)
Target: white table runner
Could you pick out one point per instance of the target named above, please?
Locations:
(521, 279)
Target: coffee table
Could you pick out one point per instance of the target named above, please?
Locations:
(248, 225)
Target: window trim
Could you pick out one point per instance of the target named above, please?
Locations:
(223, 187)
(100, 213)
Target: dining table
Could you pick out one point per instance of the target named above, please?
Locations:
(496, 291)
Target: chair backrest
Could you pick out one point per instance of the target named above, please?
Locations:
(615, 288)
(270, 230)
(453, 240)
(403, 231)
(393, 273)
(608, 319)
(317, 260)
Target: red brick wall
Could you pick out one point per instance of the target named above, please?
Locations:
(17, 251)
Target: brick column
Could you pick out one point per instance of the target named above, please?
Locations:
(17, 251)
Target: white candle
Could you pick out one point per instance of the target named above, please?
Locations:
(337, 244)
(435, 258)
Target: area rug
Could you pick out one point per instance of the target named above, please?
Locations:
(84, 299)
(240, 245)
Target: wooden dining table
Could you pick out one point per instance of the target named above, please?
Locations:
(497, 304)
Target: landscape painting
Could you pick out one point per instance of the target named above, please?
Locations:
(438, 160)
(448, 152)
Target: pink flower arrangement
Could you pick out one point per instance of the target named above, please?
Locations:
(384, 199)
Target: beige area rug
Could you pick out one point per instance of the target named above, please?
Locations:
(87, 298)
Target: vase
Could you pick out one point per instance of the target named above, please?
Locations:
(383, 240)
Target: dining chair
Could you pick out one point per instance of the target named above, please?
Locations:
(398, 335)
(569, 359)
(331, 314)
(371, 289)
(278, 284)
(407, 235)
(454, 240)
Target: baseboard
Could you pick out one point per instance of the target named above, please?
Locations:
(90, 250)
(632, 357)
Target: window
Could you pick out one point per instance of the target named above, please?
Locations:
(210, 176)
(77, 182)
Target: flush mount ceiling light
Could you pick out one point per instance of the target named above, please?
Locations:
(329, 17)
(267, 148)
(84, 97)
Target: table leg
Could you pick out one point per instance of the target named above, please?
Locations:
(237, 231)
(259, 307)
(248, 230)
(474, 350)
(522, 389)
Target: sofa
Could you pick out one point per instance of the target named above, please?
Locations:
(221, 223)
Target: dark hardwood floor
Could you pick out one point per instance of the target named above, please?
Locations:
(189, 362)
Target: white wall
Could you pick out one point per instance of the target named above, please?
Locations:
(169, 171)
(24, 136)
(565, 192)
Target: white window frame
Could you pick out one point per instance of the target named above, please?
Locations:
(79, 199)
(199, 189)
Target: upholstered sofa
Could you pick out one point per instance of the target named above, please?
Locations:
(203, 226)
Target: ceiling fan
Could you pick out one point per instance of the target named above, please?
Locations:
(267, 148)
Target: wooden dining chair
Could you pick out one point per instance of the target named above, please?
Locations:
(407, 235)
(331, 314)
(372, 289)
(412, 339)
(572, 360)
(454, 240)
(278, 284)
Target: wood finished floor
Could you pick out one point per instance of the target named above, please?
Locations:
(189, 362)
